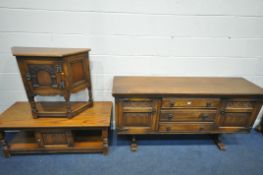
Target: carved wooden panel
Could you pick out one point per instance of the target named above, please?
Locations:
(42, 75)
(235, 119)
(240, 105)
(146, 103)
(54, 138)
(137, 119)
(137, 114)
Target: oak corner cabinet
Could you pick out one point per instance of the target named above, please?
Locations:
(185, 105)
(54, 71)
(86, 132)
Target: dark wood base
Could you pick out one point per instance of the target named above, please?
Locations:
(218, 141)
(216, 137)
(26, 142)
(59, 109)
(259, 128)
(133, 144)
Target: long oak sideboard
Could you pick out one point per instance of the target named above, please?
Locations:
(185, 105)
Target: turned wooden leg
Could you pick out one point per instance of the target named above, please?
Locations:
(133, 144)
(218, 141)
(105, 141)
(2, 137)
(4, 144)
(33, 106)
(90, 95)
(259, 128)
(68, 105)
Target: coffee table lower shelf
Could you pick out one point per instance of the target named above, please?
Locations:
(27, 142)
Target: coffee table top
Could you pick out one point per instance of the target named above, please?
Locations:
(19, 116)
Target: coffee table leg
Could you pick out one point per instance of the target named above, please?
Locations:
(105, 134)
(4, 144)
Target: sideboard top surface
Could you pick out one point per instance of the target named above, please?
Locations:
(184, 86)
(19, 116)
(47, 52)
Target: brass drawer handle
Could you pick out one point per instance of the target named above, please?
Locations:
(189, 103)
(208, 104)
(170, 116)
(204, 117)
(201, 128)
(172, 104)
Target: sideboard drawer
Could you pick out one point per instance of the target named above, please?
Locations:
(184, 127)
(190, 102)
(188, 115)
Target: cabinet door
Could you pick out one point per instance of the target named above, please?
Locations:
(137, 115)
(79, 72)
(238, 115)
(43, 76)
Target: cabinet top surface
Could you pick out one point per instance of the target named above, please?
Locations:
(184, 86)
(19, 116)
(47, 52)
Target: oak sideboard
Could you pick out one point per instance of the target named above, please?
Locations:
(185, 105)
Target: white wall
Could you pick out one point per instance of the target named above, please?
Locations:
(136, 37)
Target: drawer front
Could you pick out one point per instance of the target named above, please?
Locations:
(187, 128)
(187, 116)
(190, 102)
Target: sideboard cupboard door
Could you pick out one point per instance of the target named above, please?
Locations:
(238, 114)
(137, 115)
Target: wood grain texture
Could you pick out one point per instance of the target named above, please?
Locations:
(54, 71)
(19, 116)
(185, 105)
(46, 51)
(184, 86)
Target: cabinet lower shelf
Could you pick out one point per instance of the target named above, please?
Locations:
(59, 109)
